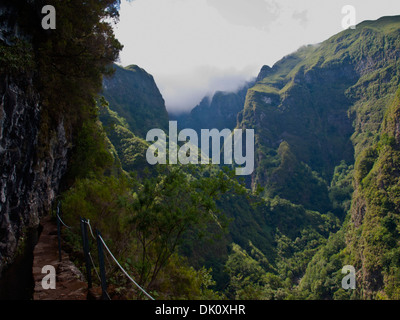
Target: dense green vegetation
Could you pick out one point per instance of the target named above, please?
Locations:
(326, 161)
(134, 96)
(144, 221)
(319, 97)
(143, 215)
(251, 223)
(321, 116)
(378, 189)
(17, 57)
(324, 193)
(129, 149)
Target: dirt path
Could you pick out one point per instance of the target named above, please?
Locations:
(70, 283)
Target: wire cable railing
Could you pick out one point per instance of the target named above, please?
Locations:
(89, 259)
(123, 270)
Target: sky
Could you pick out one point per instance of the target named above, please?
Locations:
(196, 47)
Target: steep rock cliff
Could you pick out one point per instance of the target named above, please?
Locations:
(326, 102)
(373, 232)
(33, 157)
(217, 112)
(134, 95)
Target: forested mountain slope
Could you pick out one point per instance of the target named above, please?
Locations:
(325, 122)
(321, 106)
(324, 193)
(134, 95)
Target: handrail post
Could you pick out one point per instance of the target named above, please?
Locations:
(85, 243)
(101, 266)
(59, 232)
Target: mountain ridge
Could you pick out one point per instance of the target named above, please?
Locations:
(218, 111)
(134, 95)
(316, 87)
(324, 193)
(319, 115)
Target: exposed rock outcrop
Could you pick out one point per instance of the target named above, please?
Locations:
(28, 182)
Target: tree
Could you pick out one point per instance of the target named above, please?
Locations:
(168, 205)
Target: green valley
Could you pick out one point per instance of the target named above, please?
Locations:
(321, 118)
(324, 193)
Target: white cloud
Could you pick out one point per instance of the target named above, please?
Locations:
(255, 13)
(185, 90)
(192, 47)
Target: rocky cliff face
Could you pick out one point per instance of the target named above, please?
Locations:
(330, 104)
(373, 233)
(28, 181)
(326, 101)
(217, 112)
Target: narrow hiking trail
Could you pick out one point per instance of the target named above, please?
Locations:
(70, 283)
